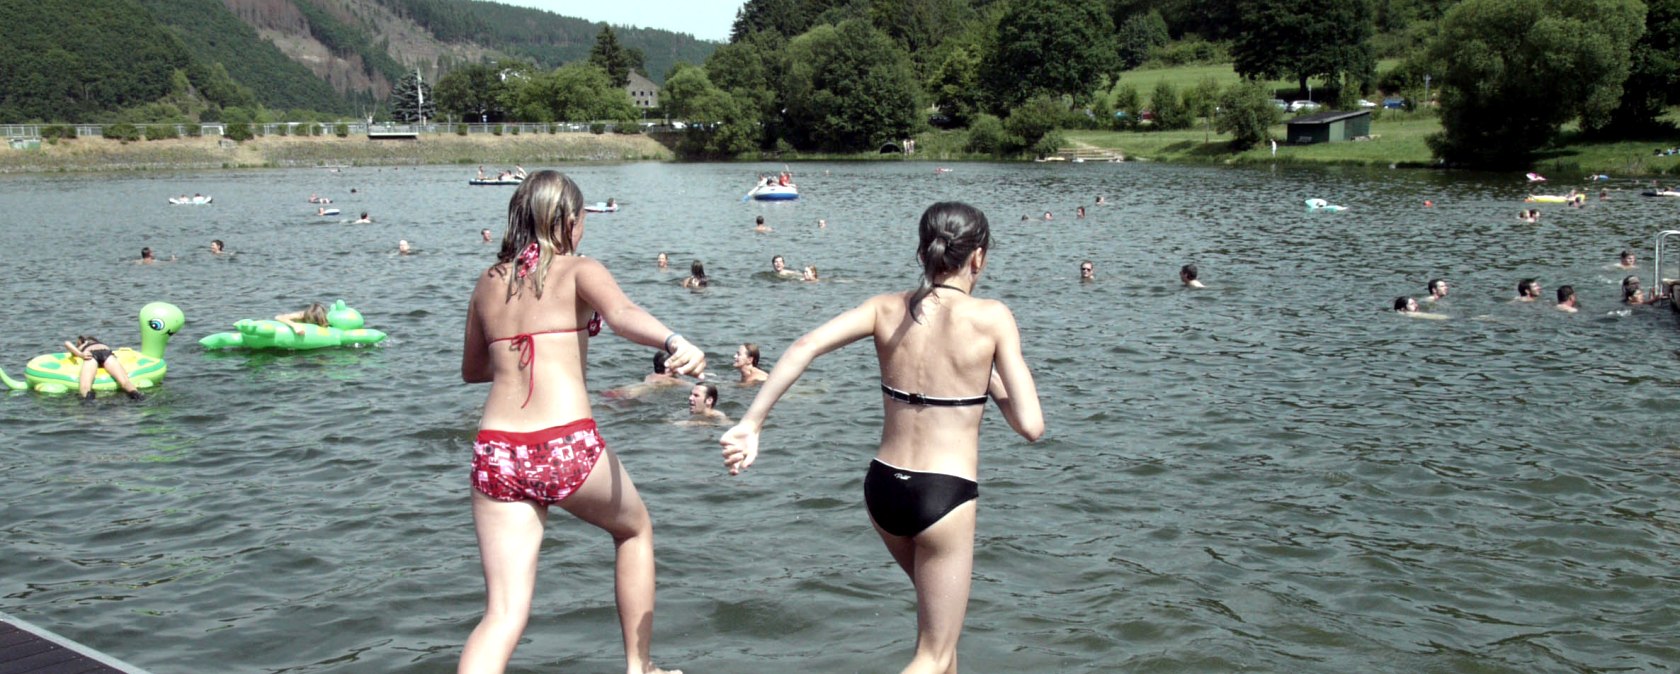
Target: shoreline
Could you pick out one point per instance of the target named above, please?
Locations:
(101, 155)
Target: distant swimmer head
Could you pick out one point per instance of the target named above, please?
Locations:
(546, 210)
(1565, 293)
(1628, 259)
(702, 398)
(146, 253)
(777, 264)
(697, 270)
(1188, 273)
(1630, 289)
(746, 353)
(1528, 288)
(664, 261)
(216, 245)
(1437, 288)
(952, 235)
(659, 361)
(1405, 305)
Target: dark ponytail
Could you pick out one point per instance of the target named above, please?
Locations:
(950, 232)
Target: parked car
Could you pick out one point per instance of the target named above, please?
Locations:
(1280, 104)
(1366, 104)
(1297, 106)
(1394, 103)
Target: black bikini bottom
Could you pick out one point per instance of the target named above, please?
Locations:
(905, 502)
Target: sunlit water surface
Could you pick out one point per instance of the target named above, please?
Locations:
(1271, 474)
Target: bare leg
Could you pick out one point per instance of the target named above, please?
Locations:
(610, 501)
(940, 561)
(509, 536)
(85, 383)
(114, 368)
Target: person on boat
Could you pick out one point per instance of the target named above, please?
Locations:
(1528, 290)
(320, 211)
(503, 175)
(612, 204)
(942, 353)
(1627, 260)
(702, 405)
(763, 180)
(528, 329)
(746, 361)
(1566, 299)
(95, 355)
(314, 314)
(1187, 276)
(481, 175)
(762, 228)
(696, 276)
(784, 180)
(1087, 271)
(364, 220)
(1437, 290)
(519, 172)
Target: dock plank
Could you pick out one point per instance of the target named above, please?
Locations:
(28, 649)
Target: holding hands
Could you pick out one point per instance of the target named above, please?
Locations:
(740, 447)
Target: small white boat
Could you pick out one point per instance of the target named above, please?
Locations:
(1661, 193)
(774, 192)
(1322, 205)
(326, 212)
(199, 200)
(495, 181)
(601, 207)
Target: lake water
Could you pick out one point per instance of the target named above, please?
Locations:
(1271, 474)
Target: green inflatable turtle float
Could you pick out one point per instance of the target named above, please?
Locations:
(345, 329)
(59, 372)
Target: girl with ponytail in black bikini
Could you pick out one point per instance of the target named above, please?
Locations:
(941, 352)
(95, 355)
(528, 328)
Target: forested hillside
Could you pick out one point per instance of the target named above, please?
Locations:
(182, 60)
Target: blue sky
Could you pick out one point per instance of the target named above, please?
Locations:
(704, 19)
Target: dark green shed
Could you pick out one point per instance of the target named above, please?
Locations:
(1329, 127)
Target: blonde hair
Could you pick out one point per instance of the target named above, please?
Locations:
(316, 313)
(544, 210)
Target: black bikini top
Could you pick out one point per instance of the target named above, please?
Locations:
(929, 401)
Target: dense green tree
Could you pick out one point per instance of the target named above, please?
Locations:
(613, 58)
(753, 70)
(1055, 47)
(719, 124)
(848, 88)
(1653, 81)
(788, 18)
(1140, 34)
(473, 93)
(571, 93)
(986, 135)
(1512, 72)
(1299, 39)
(1246, 112)
(1171, 113)
(1210, 20)
(1128, 106)
(920, 26)
(412, 99)
(955, 86)
(1032, 121)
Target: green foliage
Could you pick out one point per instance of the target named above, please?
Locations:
(240, 131)
(720, 124)
(162, 132)
(574, 92)
(1514, 71)
(848, 88)
(1300, 39)
(1246, 112)
(1032, 120)
(614, 59)
(1056, 47)
(412, 99)
(920, 26)
(122, 131)
(474, 93)
(57, 132)
(598, 128)
(1653, 81)
(1171, 113)
(1140, 35)
(341, 130)
(233, 65)
(1189, 51)
(1211, 20)
(987, 136)
(63, 60)
(1129, 104)
(955, 86)
(348, 41)
(1202, 98)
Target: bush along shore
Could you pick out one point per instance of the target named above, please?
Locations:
(105, 154)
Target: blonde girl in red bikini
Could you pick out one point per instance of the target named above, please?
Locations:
(528, 330)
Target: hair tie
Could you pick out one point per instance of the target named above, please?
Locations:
(528, 258)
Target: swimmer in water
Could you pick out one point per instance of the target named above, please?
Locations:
(402, 247)
(1187, 275)
(746, 360)
(696, 276)
(1087, 272)
(1080, 213)
(702, 405)
(216, 247)
(663, 261)
(778, 266)
(1407, 306)
(1528, 290)
(1632, 294)
(1627, 260)
(762, 228)
(1566, 299)
(810, 274)
(941, 352)
(485, 235)
(363, 220)
(1437, 290)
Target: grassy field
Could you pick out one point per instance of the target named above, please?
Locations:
(1396, 138)
(99, 154)
(1185, 77)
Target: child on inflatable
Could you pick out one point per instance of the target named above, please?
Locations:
(314, 314)
(95, 355)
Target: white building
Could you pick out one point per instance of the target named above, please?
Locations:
(643, 92)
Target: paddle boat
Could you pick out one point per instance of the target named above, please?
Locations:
(608, 206)
(322, 212)
(61, 373)
(344, 329)
(1661, 193)
(774, 192)
(1554, 198)
(194, 200)
(1322, 205)
(495, 181)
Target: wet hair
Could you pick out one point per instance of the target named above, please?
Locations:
(1435, 283)
(315, 313)
(752, 352)
(1187, 272)
(760, 219)
(218, 243)
(698, 271)
(146, 253)
(774, 258)
(813, 270)
(1565, 292)
(1630, 288)
(1401, 302)
(659, 361)
(1524, 288)
(950, 232)
(84, 340)
(544, 210)
(711, 394)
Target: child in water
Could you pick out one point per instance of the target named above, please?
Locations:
(528, 328)
(95, 355)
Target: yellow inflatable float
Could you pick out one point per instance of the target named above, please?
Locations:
(60, 372)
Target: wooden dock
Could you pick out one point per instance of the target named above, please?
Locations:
(28, 649)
